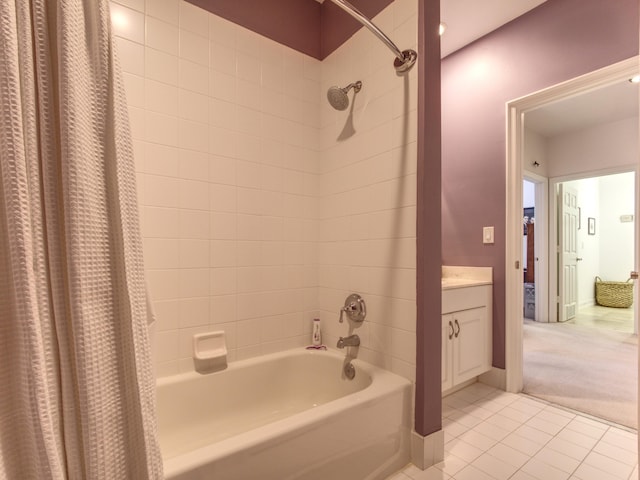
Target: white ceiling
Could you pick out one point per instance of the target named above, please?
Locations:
(468, 20)
(607, 104)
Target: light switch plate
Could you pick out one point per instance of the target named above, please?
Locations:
(487, 235)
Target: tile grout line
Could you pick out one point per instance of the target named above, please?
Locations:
(458, 405)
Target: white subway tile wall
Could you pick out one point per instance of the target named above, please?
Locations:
(261, 206)
(368, 193)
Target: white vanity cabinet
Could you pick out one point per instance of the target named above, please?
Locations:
(466, 332)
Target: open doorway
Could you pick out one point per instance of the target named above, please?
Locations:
(534, 247)
(585, 357)
(605, 251)
(529, 253)
(587, 160)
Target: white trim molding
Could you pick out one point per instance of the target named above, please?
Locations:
(427, 451)
(496, 378)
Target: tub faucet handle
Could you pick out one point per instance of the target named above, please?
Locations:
(350, 341)
(349, 309)
(354, 307)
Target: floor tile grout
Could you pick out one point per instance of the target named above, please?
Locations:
(544, 422)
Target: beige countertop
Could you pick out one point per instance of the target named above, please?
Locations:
(461, 277)
(450, 283)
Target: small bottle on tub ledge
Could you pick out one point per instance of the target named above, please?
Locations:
(316, 337)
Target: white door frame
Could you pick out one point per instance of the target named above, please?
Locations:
(514, 175)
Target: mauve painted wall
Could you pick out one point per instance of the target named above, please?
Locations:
(304, 25)
(428, 401)
(294, 23)
(337, 25)
(557, 41)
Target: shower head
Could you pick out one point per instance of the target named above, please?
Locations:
(338, 96)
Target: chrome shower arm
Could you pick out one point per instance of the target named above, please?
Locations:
(404, 60)
(355, 85)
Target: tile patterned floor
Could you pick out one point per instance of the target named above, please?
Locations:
(494, 435)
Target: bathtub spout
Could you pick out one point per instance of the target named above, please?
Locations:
(350, 341)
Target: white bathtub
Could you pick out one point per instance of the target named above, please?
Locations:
(290, 415)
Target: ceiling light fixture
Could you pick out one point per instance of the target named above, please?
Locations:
(635, 79)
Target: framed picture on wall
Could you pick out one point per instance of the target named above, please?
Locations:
(592, 226)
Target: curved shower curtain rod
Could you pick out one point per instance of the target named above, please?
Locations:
(404, 60)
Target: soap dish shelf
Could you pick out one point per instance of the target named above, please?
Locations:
(209, 351)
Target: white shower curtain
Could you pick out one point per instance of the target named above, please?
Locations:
(76, 385)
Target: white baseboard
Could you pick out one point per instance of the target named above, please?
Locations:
(587, 303)
(427, 451)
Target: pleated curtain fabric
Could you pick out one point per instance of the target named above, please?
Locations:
(76, 384)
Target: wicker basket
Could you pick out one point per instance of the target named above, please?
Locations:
(614, 294)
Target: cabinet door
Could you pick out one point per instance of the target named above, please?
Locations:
(447, 354)
(471, 355)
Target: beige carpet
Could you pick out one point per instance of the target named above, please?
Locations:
(597, 316)
(584, 368)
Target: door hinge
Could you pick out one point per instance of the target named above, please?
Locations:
(517, 264)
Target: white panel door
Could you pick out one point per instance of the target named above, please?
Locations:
(567, 253)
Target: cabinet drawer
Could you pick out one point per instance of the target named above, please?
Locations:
(457, 299)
